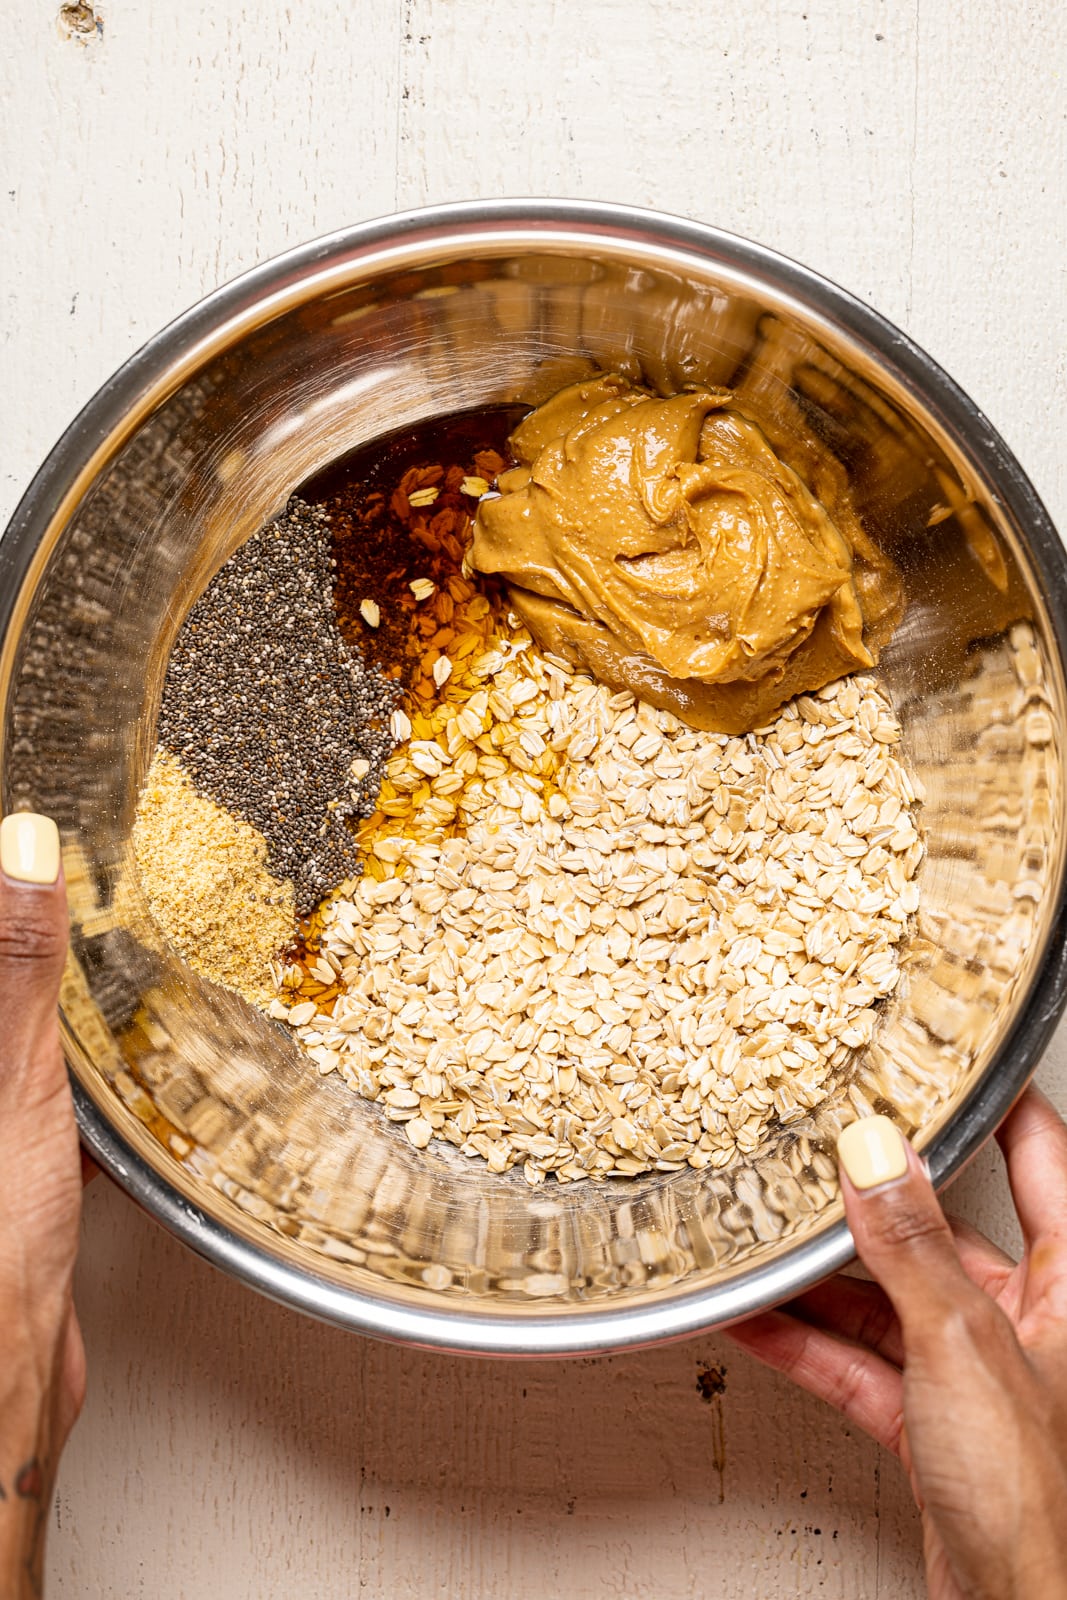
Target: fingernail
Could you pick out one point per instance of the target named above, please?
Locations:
(872, 1151)
(29, 848)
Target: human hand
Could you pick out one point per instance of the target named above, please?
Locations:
(955, 1358)
(42, 1360)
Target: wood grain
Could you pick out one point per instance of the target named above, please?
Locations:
(915, 153)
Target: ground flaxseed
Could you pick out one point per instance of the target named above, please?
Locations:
(204, 875)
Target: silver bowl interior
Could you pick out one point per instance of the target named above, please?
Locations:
(201, 1106)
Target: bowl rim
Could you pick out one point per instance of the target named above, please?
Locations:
(157, 368)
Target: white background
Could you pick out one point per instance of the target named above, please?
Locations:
(916, 153)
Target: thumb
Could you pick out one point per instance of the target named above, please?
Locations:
(899, 1228)
(33, 942)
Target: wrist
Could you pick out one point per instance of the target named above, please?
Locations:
(1042, 1576)
(23, 1402)
(1040, 1564)
(27, 1369)
(25, 1502)
(36, 1413)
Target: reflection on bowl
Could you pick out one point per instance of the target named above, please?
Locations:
(204, 1109)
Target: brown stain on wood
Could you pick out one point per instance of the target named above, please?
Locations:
(711, 1386)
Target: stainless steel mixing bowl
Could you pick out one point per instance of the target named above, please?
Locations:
(200, 1107)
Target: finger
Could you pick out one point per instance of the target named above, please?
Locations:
(855, 1381)
(987, 1266)
(899, 1228)
(856, 1310)
(1034, 1141)
(33, 942)
(861, 1311)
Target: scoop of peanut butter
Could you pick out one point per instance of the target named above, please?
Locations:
(666, 546)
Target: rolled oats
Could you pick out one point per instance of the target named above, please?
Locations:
(591, 941)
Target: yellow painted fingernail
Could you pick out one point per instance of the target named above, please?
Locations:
(29, 848)
(872, 1151)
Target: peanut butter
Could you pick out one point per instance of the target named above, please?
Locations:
(665, 545)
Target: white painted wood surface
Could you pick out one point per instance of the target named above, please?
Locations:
(915, 152)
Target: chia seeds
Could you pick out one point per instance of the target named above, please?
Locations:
(267, 707)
